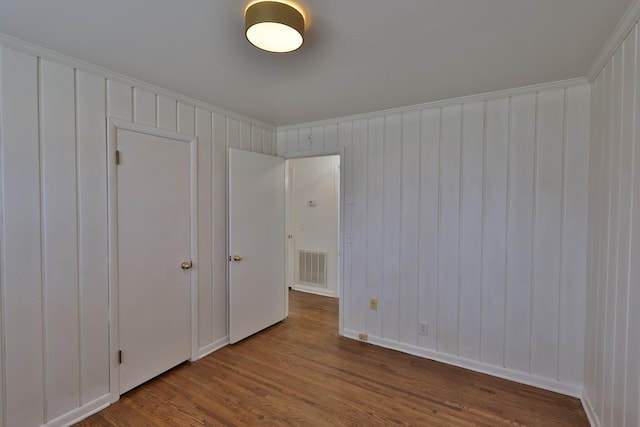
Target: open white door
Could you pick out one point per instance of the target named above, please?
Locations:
(257, 291)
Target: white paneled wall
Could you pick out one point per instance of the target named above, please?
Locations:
(54, 241)
(470, 216)
(612, 365)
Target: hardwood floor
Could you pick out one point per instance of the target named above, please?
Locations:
(301, 373)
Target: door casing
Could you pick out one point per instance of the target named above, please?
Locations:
(114, 342)
(344, 169)
(291, 222)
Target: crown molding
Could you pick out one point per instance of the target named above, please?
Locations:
(50, 55)
(41, 52)
(626, 24)
(487, 96)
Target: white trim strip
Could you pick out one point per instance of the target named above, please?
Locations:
(562, 84)
(214, 346)
(313, 290)
(588, 409)
(81, 413)
(573, 390)
(626, 24)
(35, 50)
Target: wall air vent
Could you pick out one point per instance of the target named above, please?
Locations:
(312, 268)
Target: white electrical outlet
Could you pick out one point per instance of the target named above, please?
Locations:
(423, 328)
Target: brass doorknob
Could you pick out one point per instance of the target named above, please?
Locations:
(186, 265)
(237, 257)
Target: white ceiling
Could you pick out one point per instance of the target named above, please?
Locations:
(359, 55)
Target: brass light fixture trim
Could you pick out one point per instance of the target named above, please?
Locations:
(274, 26)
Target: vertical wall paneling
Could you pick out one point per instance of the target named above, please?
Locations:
(60, 238)
(612, 365)
(428, 228)
(245, 136)
(483, 201)
(305, 140)
(205, 247)
(391, 227)
(2, 249)
(449, 229)
(593, 239)
(471, 230)
(219, 220)
(22, 288)
(317, 137)
(590, 301)
(475, 224)
(604, 232)
(547, 234)
(494, 232)
(292, 141)
(597, 217)
(120, 100)
(331, 136)
(281, 143)
(520, 232)
(267, 142)
(625, 123)
(609, 261)
(358, 282)
(167, 113)
(272, 137)
(375, 199)
(574, 235)
(596, 235)
(93, 237)
(144, 107)
(186, 118)
(276, 143)
(409, 220)
(256, 139)
(53, 168)
(632, 386)
(614, 234)
(344, 141)
(233, 133)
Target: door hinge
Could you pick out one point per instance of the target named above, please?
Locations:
(117, 157)
(120, 357)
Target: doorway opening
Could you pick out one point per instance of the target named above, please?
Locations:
(313, 225)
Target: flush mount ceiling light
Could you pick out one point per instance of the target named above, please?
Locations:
(274, 26)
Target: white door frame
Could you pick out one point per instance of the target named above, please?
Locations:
(114, 340)
(288, 225)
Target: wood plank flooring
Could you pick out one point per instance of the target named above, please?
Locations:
(301, 373)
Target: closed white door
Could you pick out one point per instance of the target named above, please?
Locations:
(257, 291)
(153, 199)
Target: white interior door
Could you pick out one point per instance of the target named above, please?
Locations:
(257, 291)
(153, 199)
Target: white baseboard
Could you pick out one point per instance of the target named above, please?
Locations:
(588, 409)
(573, 390)
(102, 402)
(214, 346)
(81, 413)
(313, 290)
